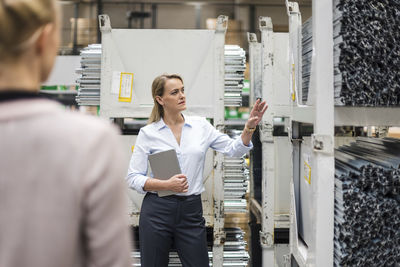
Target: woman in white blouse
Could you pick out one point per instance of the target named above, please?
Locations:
(178, 218)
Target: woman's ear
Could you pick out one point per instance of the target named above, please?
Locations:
(159, 100)
(43, 39)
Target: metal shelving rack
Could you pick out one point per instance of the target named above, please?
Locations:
(311, 215)
(318, 194)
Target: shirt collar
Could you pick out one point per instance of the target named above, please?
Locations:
(161, 124)
(18, 94)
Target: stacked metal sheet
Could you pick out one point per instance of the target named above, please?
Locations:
(307, 48)
(367, 203)
(367, 52)
(235, 253)
(236, 176)
(235, 65)
(89, 79)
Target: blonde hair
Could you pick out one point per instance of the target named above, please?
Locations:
(157, 89)
(20, 21)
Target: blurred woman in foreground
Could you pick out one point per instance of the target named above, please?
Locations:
(62, 200)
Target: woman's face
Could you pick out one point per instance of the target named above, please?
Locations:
(173, 100)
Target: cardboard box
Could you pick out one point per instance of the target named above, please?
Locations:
(87, 31)
(236, 218)
(394, 132)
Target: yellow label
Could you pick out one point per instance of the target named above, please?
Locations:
(132, 148)
(125, 87)
(293, 83)
(307, 172)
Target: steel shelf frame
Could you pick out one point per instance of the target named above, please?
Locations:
(324, 115)
(269, 77)
(319, 250)
(319, 112)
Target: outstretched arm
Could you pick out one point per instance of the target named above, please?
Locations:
(256, 114)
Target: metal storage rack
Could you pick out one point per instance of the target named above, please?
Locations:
(312, 198)
(308, 160)
(138, 53)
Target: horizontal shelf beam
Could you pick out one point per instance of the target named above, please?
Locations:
(344, 116)
(367, 116)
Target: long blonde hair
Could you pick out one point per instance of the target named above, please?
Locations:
(20, 20)
(157, 89)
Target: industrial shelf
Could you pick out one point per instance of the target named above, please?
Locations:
(235, 122)
(367, 116)
(58, 92)
(344, 116)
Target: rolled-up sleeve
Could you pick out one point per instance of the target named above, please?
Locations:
(137, 171)
(223, 143)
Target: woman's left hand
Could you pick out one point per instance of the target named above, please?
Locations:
(256, 114)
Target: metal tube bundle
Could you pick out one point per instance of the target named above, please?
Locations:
(367, 52)
(89, 80)
(367, 203)
(235, 65)
(307, 49)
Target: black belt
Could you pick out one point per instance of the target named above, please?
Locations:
(191, 197)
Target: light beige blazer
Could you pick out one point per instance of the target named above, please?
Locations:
(62, 190)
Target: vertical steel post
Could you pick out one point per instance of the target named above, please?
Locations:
(106, 39)
(142, 18)
(252, 18)
(295, 58)
(267, 140)
(218, 194)
(323, 131)
(255, 68)
(154, 16)
(75, 36)
(99, 12)
(197, 8)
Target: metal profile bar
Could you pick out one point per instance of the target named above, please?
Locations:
(323, 125)
(124, 2)
(255, 68)
(266, 138)
(218, 195)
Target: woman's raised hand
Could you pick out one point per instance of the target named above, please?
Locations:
(256, 113)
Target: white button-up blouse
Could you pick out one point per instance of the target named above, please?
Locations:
(198, 135)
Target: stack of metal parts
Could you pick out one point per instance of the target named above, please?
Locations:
(89, 79)
(367, 203)
(235, 65)
(236, 176)
(367, 52)
(307, 49)
(234, 251)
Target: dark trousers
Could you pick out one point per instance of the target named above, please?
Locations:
(164, 220)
